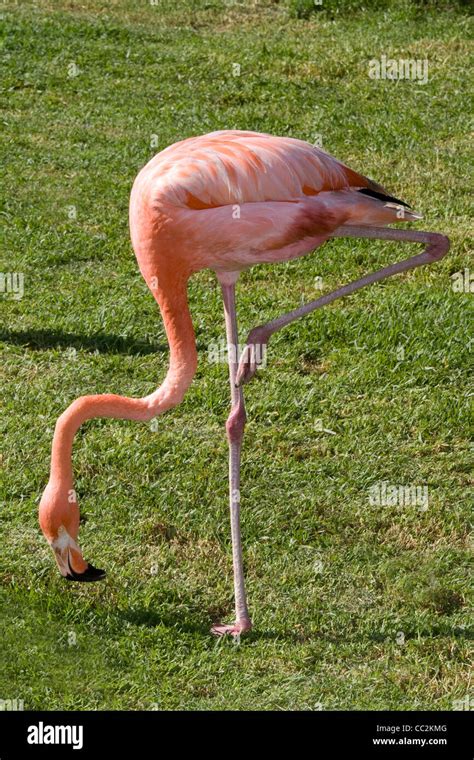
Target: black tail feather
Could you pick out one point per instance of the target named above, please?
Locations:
(382, 197)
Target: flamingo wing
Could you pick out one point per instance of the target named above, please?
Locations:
(229, 167)
(245, 197)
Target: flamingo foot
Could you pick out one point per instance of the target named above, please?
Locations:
(253, 355)
(235, 629)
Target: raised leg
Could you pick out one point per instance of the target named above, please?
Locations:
(436, 247)
(235, 431)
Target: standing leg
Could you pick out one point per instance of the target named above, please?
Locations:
(235, 431)
(436, 247)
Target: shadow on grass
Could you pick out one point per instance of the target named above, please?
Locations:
(103, 343)
(151, 619)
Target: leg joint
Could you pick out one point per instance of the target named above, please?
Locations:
(258, 336)
(236, 423)
(438, 245)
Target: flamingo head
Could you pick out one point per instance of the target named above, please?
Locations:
(59, 521)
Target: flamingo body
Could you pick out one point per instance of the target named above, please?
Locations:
(223, 201)
(232, 199)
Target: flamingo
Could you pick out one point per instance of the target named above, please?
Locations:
(225, 201)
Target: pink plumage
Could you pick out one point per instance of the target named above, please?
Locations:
(224, 201)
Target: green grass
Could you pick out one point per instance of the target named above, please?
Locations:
(333, 581)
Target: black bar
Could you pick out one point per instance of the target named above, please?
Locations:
(157, 734)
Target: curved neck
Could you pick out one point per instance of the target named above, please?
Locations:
(171, 295)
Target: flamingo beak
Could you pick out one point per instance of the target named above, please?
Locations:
(70, 561)
(89, 575)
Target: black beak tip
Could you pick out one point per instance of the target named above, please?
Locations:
(89, 575)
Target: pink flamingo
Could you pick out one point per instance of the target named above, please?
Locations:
(225, 201)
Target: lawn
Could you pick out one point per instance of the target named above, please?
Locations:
(356, 605)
